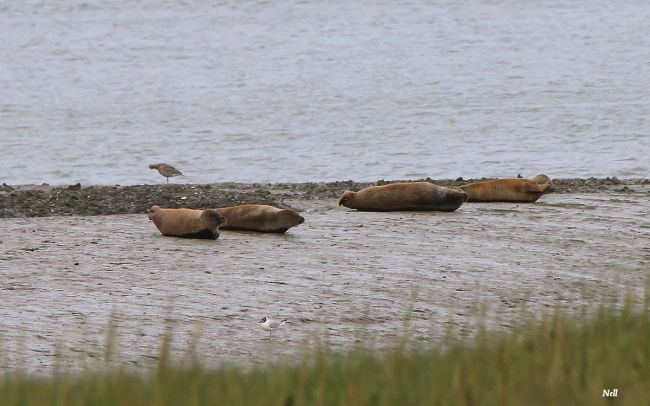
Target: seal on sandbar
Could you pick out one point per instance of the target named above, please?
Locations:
(187, 223)
(259, 217)
(509, 190)
(404, 196)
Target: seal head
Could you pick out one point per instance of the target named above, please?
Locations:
(346, 197)
(152, 212)
(545, 181)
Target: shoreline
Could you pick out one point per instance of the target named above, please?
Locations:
(17, 201)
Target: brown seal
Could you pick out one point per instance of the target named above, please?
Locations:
(187, 223)
(509, 190)
(404, 196)
(259, 217)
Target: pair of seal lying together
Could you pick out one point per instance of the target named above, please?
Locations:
(509, 190)
(427, 196)
(190, 223)
(404, 196)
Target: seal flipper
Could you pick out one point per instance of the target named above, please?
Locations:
(203, 234)
(275, 230)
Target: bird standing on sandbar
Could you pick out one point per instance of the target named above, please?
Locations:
(270, 324)
(165, 170)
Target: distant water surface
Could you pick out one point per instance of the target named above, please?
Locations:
(93, 91)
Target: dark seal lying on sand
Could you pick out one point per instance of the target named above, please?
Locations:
(404, 196)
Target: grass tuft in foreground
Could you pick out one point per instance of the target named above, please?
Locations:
(560, 360)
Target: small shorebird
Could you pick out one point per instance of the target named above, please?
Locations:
(270, 324)
(165, 170)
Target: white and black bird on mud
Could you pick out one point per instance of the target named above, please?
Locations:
(271, 324)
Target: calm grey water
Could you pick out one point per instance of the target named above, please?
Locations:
(94, 91)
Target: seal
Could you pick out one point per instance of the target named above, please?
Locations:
(259, 217)
(404, 196)
(187, 223)
(509, 190)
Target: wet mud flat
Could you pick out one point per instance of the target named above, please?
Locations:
(343, 278)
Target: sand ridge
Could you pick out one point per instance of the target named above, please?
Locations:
(45, 200)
